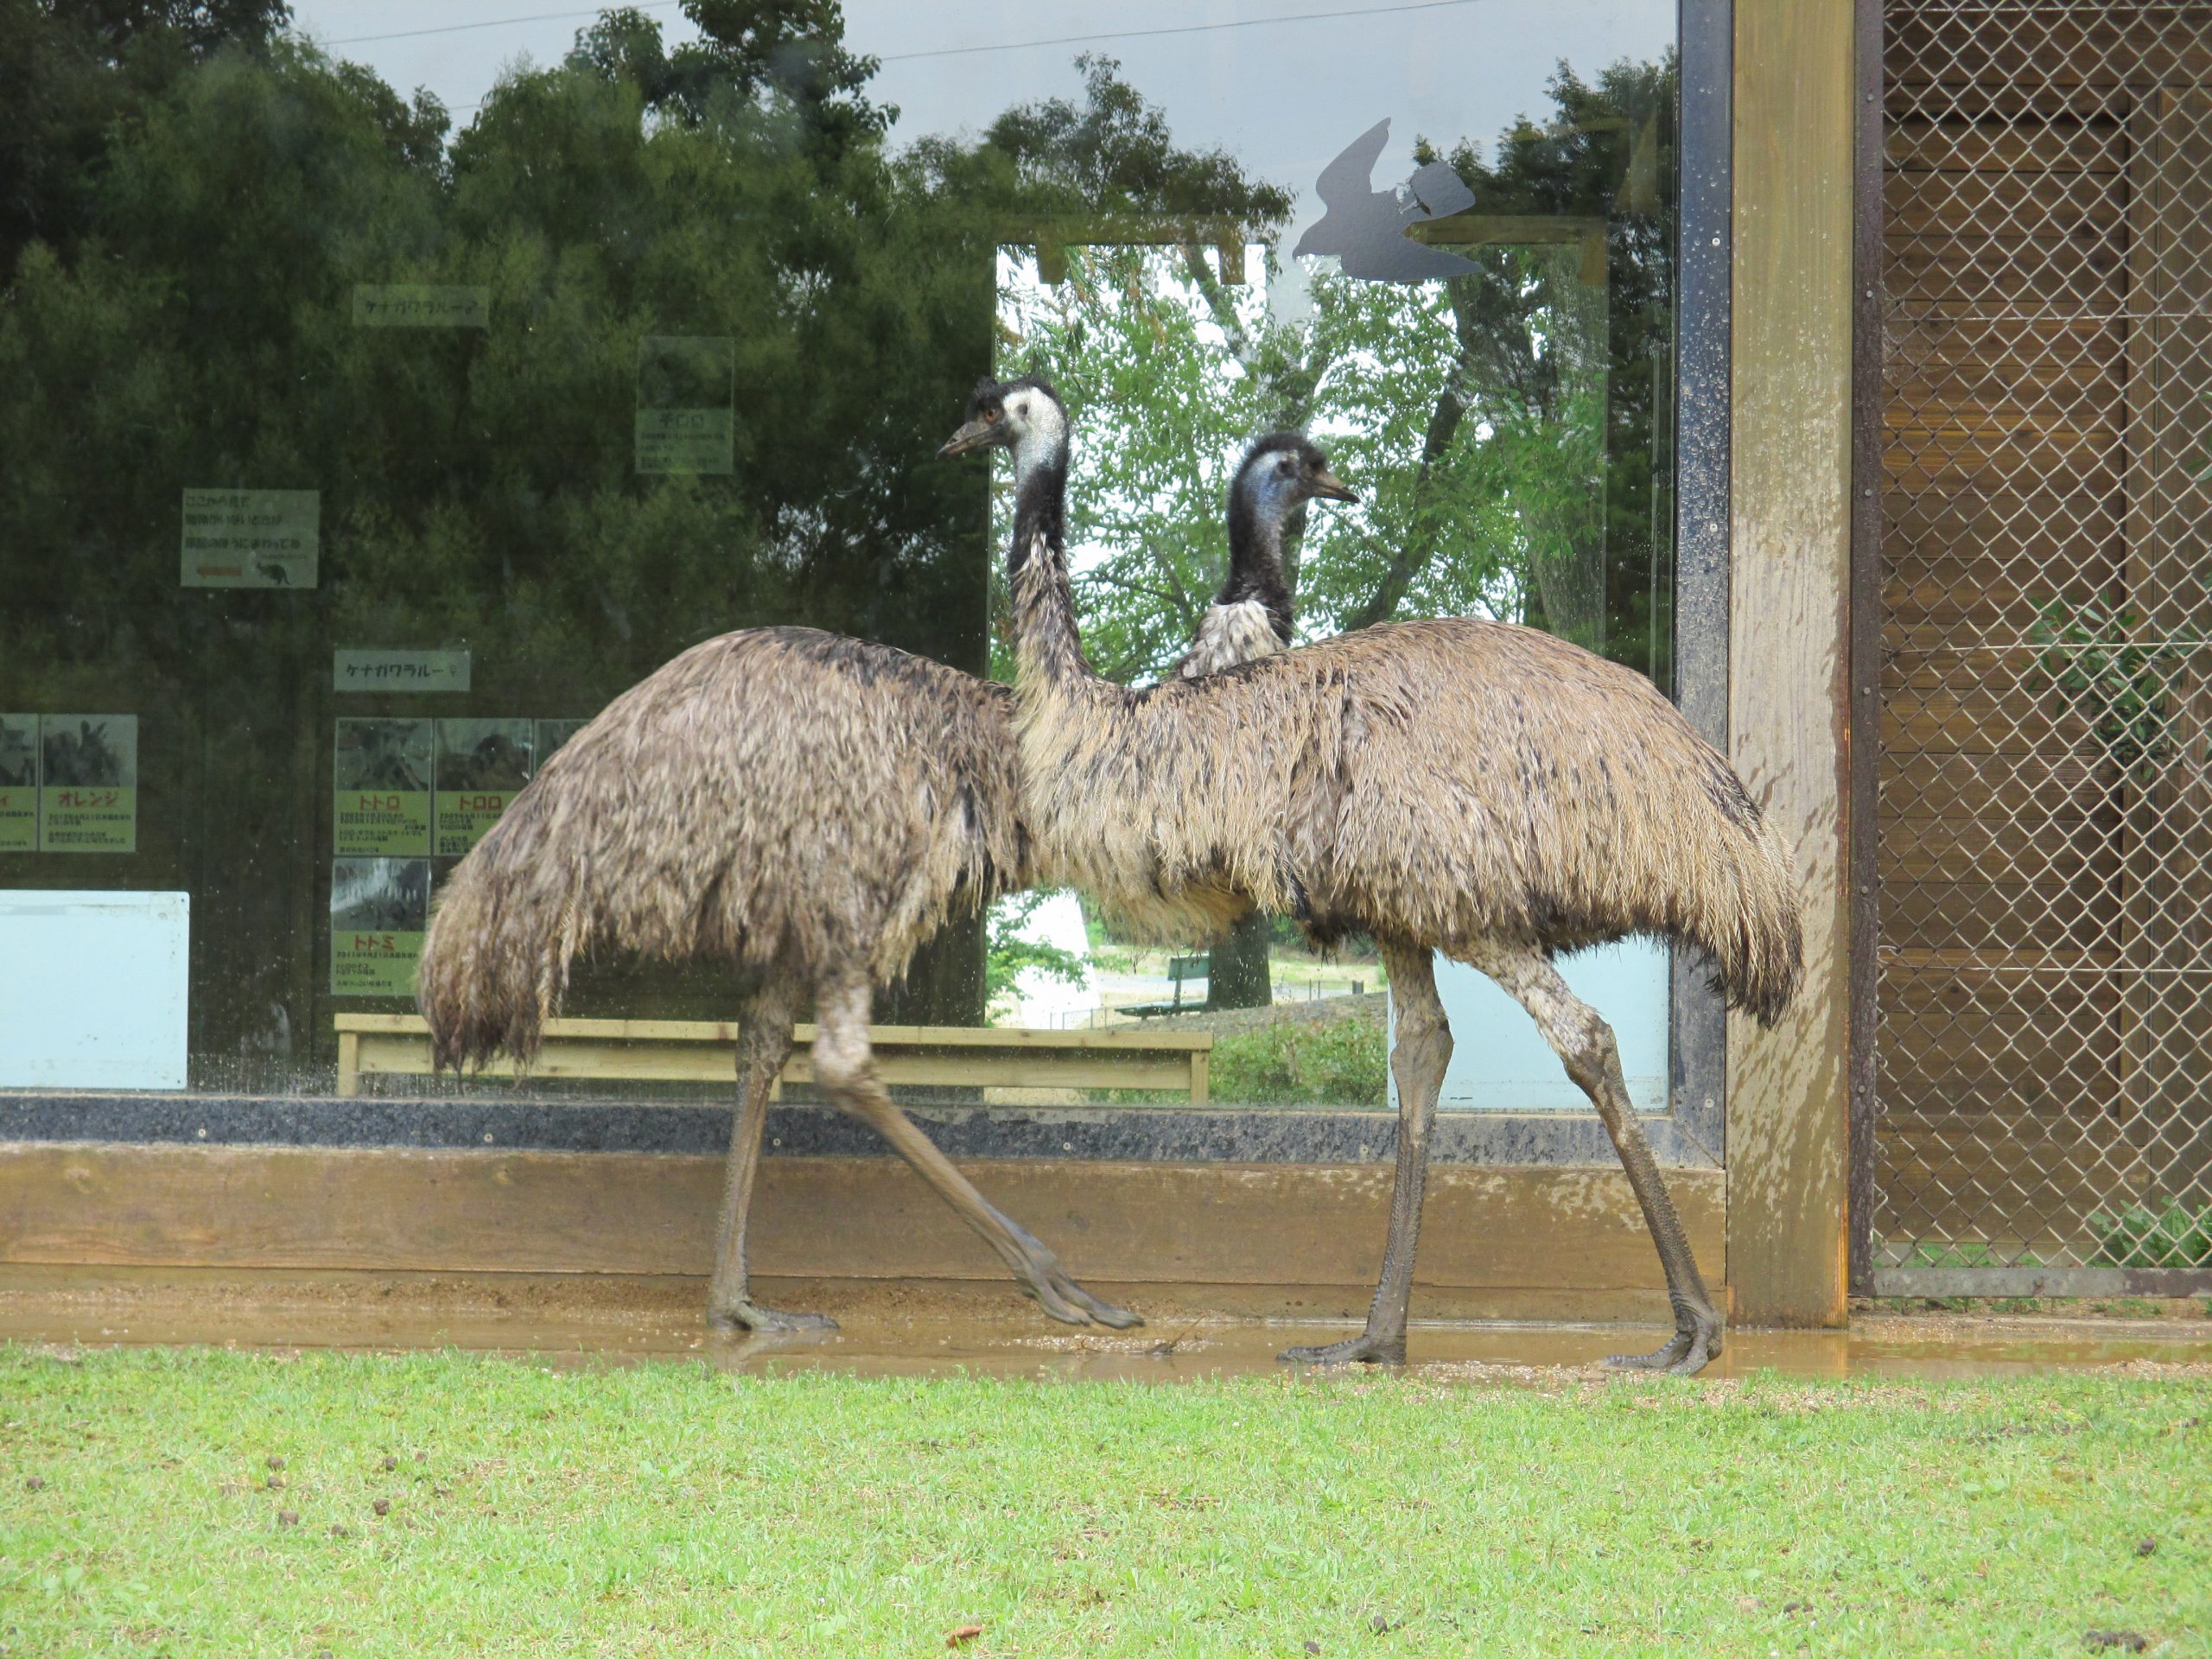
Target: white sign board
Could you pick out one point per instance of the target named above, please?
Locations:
(92, 990)
(251, 539)
(399, 670)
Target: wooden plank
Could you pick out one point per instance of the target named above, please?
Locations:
(2040, 207)
(1980, 275)
(349, 1063)
(1790, 634)
(1999, 916)
(2113, 46)
(2036, 146)
(699, 1031)
(2056, 787)
(1542, 1231)
(704, 1063)
(1998, 848)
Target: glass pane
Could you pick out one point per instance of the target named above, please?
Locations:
(366, 440)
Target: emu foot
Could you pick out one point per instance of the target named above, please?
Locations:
(746, 1315)
(1365, 1348)
(1068, 1302)
(1684, 1354)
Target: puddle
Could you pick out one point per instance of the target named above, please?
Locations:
(894, 1329)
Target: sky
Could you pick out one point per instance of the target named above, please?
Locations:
(1283, 84)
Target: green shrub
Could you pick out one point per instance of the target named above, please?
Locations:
(1297, 1063)
(2140, 1237)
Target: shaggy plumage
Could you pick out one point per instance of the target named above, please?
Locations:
(780, 800)
(803, 808)
(1463, 786)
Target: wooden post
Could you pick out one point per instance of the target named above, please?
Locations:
(1789, 635)
(1201, 1076)
(349, 1062)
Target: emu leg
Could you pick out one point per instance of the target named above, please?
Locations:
(764, 1043)
(1585, 1042)
(1418, 1058)
(844, 1068)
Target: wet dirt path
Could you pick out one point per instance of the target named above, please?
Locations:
(894, 1329)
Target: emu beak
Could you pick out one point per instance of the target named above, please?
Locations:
(1329, 486)
(974, 436)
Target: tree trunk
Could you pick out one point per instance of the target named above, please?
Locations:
(1237, 977)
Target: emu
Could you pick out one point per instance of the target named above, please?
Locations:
(1471, 788)
(808, 809)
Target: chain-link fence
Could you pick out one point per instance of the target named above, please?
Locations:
(2044, 1047)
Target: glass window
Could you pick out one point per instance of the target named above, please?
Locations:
(366, 439)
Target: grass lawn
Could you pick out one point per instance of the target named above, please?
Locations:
(201, 1502)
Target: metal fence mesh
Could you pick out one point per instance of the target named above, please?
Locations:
(2044, 1048)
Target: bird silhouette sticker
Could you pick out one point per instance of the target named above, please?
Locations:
(1365, 228)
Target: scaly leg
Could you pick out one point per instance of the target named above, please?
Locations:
(764, 1044)
(1585, 1042)
(1418, 1058)
(844, 1069)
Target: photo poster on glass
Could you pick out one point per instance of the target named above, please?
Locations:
(251, 539)
(88, 784)
(482, 765)
(687, 390)
(18, 783)
(379, 909)
(381, 789)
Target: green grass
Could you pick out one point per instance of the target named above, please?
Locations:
(668, 1509)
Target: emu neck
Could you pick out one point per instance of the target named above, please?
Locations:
(1047, 645)
(1255, 564)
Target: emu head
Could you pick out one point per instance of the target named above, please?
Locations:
(1279, 472)
(1023, 415)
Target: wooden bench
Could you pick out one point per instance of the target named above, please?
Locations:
(705, 1051)
(1180, 971)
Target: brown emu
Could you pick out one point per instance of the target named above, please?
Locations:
(807, 809)
(1471, 787)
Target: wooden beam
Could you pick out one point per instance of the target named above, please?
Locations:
(1529, 1239)
(1790, 634)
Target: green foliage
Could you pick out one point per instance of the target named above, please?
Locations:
(1007, 953)
(2120, 686)
(1498, 425)
(1303, 1063)
(2169, 1236)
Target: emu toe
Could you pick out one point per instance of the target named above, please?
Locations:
(1365, 1348)
(1685, 1354)
(767, 1321)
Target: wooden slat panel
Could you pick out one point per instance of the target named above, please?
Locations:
(2078, 915)
(2058, 787)
(2070, 527)
(1981, 276)
(822, 1217)
(2041, 206)
(1992, 848)
(2080, 48)
(1919, 145)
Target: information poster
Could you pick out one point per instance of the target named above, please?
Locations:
(88, 784)
(18, 783)
(421, 305)
(379, 908)
(552, 733)
(482, 765)
(382, 807)
(251, 539)
(687, 387)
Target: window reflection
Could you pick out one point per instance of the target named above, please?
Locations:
(349, 438)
